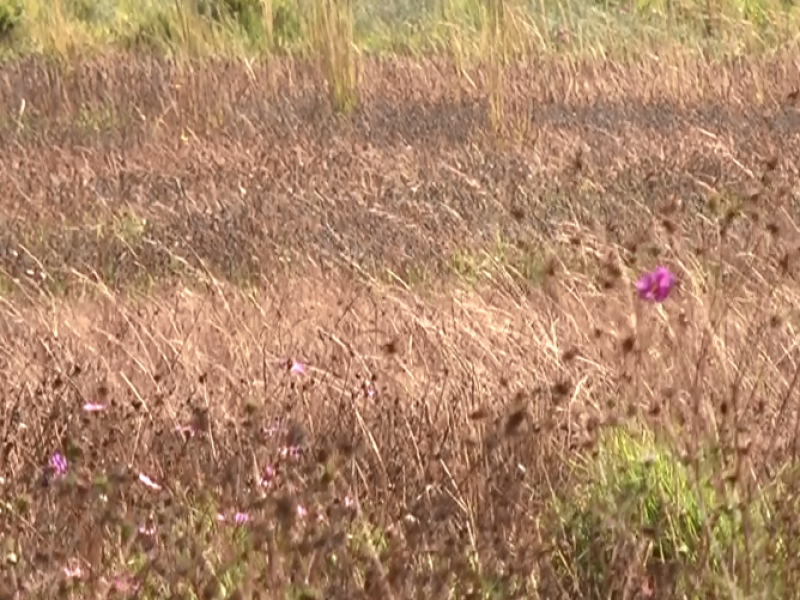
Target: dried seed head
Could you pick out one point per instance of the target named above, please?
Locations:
(592, 423)
(773, 228)
(628, 344)
(753, 195)
(727, 221)
(200, 419)
(515, 420)
(570, 354)
(211, 590)
(744, 447)
(613, 269)
(480, 414)
(102, 393)
(771, 163)
(731, 477)
(285, 510)
(669, 226)
(550, 266)
(607, 284)
(560, 389)
(784, 263)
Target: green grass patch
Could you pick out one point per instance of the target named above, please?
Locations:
(340, 29)
(638, 518)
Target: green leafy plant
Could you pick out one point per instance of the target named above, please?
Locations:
(11, 14)
(641, 517)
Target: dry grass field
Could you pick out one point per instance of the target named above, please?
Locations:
(337, 324)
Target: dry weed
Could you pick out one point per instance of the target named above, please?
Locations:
(254, 349)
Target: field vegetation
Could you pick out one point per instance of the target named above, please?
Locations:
(347, 299)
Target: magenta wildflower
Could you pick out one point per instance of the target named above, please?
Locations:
(58, 464)
(298, 368)
(655, 286)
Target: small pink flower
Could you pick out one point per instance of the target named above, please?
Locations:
(148, 482)
(349, 502)
(290, 452)
(269, 475)
(92, 407)
(73, 572)
(187, 430)
(238, 518)
(301, 511)
(271, 431)
(147, 530)
(298, 368)
(58, 464)
(124, 584)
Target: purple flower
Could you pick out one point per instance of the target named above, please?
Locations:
(58, 464)
(655, 286)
